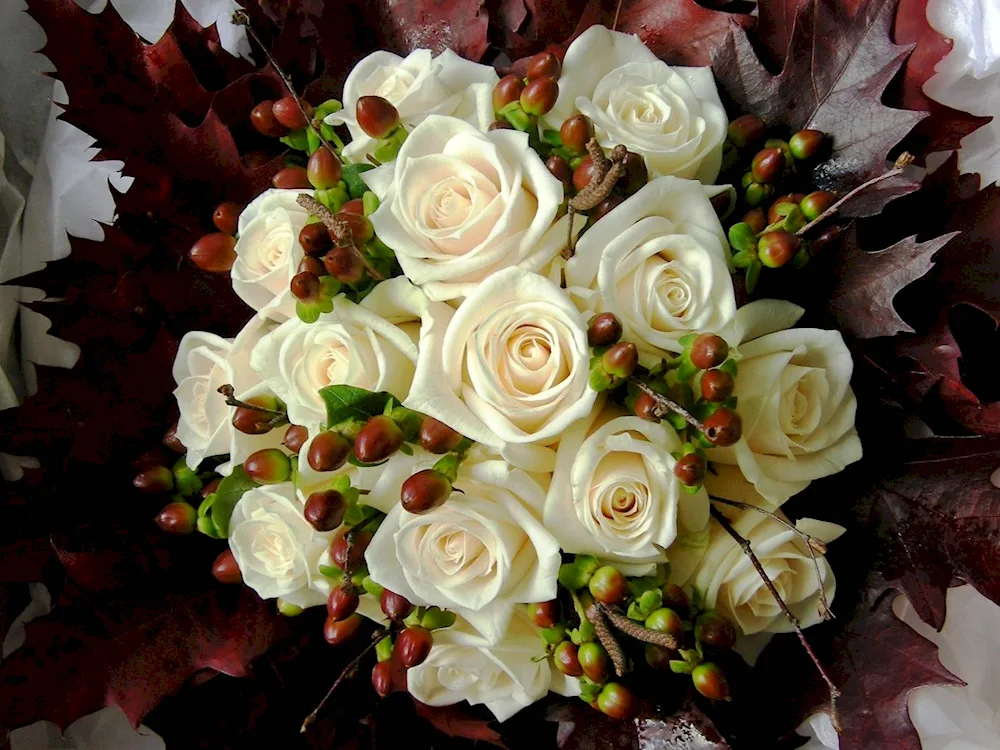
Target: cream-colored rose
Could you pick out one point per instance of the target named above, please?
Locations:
(199, 369)
(417, 85)
(729, 583)
(796, 402)
(479, 555)
(458, 205)
(660, 263)
(614, 495)
(268, 252)
(505, 677)
(509, 369)
(671, 115)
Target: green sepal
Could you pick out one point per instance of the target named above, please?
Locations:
(589, 690)
(332, 572)
(435, 618)
(371, 587)
(297, 139)
(747, 179)
(288, 609)
(334, 198)
(680, 667)
(794, 218)
(744, 258)
(408, 422)
(383, 649)
(329, 286)
(599, 379)
(577, 574)
(753, 276)
(729, 366)
(388, 148)
(551, 137)
(206, 527)
(356, 186)
(635, 612)
(449, 465)
(313, 142)
(686, 370)
(186, 481)
(358, 577)
(216, 509)
(516, 116)
(414, 617)
(405, 449)
(650, 600)
(801, 257)
(307, 312)
(555, 635)
(326, 109)
(370, 203)
(742, 237)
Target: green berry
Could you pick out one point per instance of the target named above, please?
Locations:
(746, 129)
(665, 620)
(710, 681)
(268, 466)
(616, 701)
(777, 248)
(594, 661)
(608, 585)
(816, 203)
(806, 143)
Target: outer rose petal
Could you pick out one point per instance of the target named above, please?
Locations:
(199, 369)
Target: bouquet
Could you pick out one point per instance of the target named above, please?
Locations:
(538, 398)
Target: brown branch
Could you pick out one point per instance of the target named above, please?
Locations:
(665, 405)
(340, 229)
(637, 631)
(748, 551)
(595, 614)
(277, 416)
(813, 544)
(349, 671)
(606, 174)
(904, 160)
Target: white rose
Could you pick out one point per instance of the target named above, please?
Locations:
(673, 117)
(278, 552)
(417, 85)
(796, 402)
(614, 494)
(372, 346)
(199, 369)
(479, 555)
(660, 263)
(505, 677)
(457, 205)
(729, 583)
(268, 252)
(509, 369)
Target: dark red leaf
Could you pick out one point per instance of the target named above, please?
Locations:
(458, 25)
(455, 721)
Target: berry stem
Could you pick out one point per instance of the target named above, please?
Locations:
(349, 671)
(240, 18)
(904, 160)
(665, 404)
(606, 174)
(277, 416)
(340, 229)
(637, 631)
(748, 551)
(595, 613)
(813, 544)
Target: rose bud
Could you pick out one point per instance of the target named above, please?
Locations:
(540, 95)
(413, 645)
(746, 129)
(716, 385)
(583, 173)
(777, 248)
(226, 217)
(382, 678)
(715, 630)
(295, 437)
(378, 439)
(543, 64)
(311, 265)
(324, 169)
(575, 132)
(767, 165)
(816, 203)
(756, 219)
(806, 143)
(215, 252)
(711, 682)
(636, 175)
(501, 125)
(286, 111)
(665, 620)
(507, 90)
(344, 265)
(437, 437)
(646, 407)
(566, 658)
(268, 466)
(790, 200)
(604, 329)
(594, 661)
(264, 122)
(154, 479)
(341, 631)
(291, 178)
(324, 510)
(604, 207)
(347, 551)
(328, 451)
(708, 351)
(394, 606)
(342, 603)
(621, 359)
(253, 422)
(616, 701)
(376, 116)
(315, 239)
(561, 170)
(608, 585)
(690, 470)
(425, 491)
(305, 286)
(225, 568)
(544, 614)
(723, 427)
(177, 518)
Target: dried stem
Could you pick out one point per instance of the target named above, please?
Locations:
(904, 160)
(665, 404)
(637, 631)
(240, 18)
(277, 416)
(340, 229)
(595, 614)
(349, 671)
(618, 10)
(813, 544)
(748, 551)
(607, 172)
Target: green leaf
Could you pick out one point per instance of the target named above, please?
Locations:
(297, 139)
(681, 667)
(345, 402)
(352, 178)
(551, 137)
(229, 492)
(312, 141)
(371, 587)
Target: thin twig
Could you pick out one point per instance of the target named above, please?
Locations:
(340, 228)
(595, 613)
(349, 671)
(748, 551)
(240, 18)
(904, 160)
(606, 173)
(614, 26)
(813, 544)
(637, 631)
(665, 404)
(277, 416)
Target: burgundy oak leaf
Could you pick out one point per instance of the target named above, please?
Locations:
(457, 721)
(458, 25)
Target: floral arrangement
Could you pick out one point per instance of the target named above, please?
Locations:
(519, 402)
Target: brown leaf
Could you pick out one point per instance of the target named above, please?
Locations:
(456, 721)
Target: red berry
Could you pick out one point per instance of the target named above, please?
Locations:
(690, 470)
(767, 165)
(575, 132)
(616, 701)
(295, 437)
(324, 510)
(346, 552)
(315, 238)
(177, 518)
(756, 219)
(305, 286)
(311, 265)
(263, 120)
(292, 178)
(665, 620)
(344, 265)
(543, 64)
(594, 661)
(621, 359)
(567, 660)
(507, 90)
(342, 603)
(394, 606)
(382, 678)
(777, 248)
(501, 125)
(646, 407)
(376, 116)
(825, 238)
(608, 585)
(544, 614)
(226, 217)
(716, 385)
(607, 205)
(225, 569)
(211, 487)
(341, 631)
(268, 466)
(636, 175)
(561, 170)
(251, 421)
(424, 491)
(659, 657)
(746, 129)
(675, 598)
(708, 351)
(806, 143)
(323, 169)
(361, 228)
(154, 479)
(378, 439)
(215, 252)
(328, 451)
(540, 95)
(604, 329)
(715, 630)
(710, 681)
(437, 437)
(286, 111)
(816, 203)
(723, 427)
(413, 645)
(583, 173)
(172, 441)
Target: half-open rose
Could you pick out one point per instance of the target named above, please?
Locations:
(459, 205)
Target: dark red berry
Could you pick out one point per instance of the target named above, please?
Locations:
(756, 219)
(215, 252)
(646, 407)
(226, 217)
(507, 90)
(348, 550)
(825, 238)
(437, 437)
(292, 178)
(544, 614)
(675, 598)
(341, 631)
(690, 470)
(777, 248)
(177, 518)
(604, 329)
(311, 265)
(567, 660)
(608, 585)
(425, 491)
(636, 175)
(305, 286)
(710, 681)
(286, 111)
(767, 165)
(315, 239)
(413, 645)
(395, 606)
(708, 351)
(715, 630)
(172, 441)
(723, 427)
(211, 487)
(324, 169)
(501, 125)
(543, 64)
(376, 116)
(225, 568)
(605, 207)
(621, 359)
(328, 451)
(594, 661)
(575, 132)
(659, 657)
(361, 228)
(382, 678)
(324, 510)
(268, 466)
(342, 603)
(716, 385)
(583, 173)
(154, 479)
(295, 437)
(378, 439)
(561, 170)
(540, 95)
(806, 143)
(616, 701)
(251, 421)
(264, 122)
(816, 203)
(746, 129)
(344, 264)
